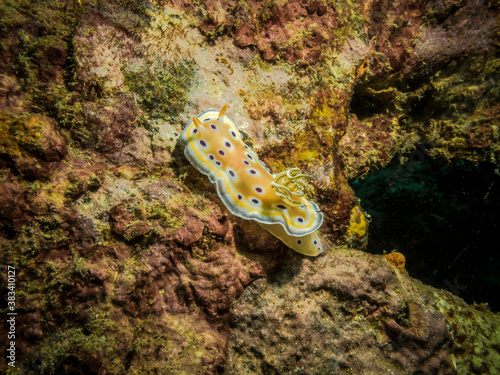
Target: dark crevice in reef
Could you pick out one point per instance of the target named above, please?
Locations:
(365, 104)
(443, 218)
(383, 96)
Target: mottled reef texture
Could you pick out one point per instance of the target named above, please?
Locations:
(127, 261)
(351, 313)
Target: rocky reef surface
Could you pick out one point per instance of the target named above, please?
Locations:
(126, 260)
(350, 312)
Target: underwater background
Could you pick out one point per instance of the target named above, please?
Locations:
(120, 257)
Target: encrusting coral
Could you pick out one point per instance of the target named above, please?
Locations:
(396, 259)
(357, 232)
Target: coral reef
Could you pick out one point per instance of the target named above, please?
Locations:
(34, 146)
(350, 312)
(295, 31)
(126, 259)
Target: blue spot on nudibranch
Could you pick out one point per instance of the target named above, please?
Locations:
(255, 201)
(246, 162)
(203, 143)
(253, 171)
(258, 189)
(213, 126)
(281, 206)
(228, 145)
(221, 153)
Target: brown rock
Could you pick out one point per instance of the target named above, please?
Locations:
(110, 124)
(39, 136)
(12, 100)
(319, 315)
(119, 219)
(136, 230)
(11, 200)
(244, 36)
(189, 233)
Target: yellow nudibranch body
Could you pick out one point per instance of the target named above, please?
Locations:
(213, 144)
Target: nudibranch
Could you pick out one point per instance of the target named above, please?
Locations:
(213, 144)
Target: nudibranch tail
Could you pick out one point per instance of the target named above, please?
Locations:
(213, 144)
(310, 244)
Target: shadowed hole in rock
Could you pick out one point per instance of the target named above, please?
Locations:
(443, 218)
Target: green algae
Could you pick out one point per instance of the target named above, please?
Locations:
(161, 87)
(44, 62)
(77, 185)
(77, 347)
(473, 331)
(47, 65)
(167, 217)
(105, 334)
